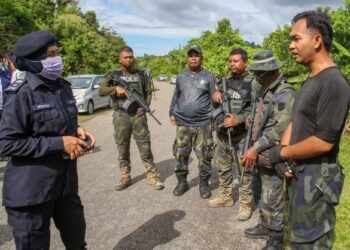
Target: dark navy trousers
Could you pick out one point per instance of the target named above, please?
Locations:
(31, 225)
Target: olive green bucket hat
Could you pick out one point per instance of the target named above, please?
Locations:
(265, 61)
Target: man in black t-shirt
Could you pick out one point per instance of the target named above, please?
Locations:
(311, 141)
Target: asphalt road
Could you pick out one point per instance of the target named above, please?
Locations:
(140, 217)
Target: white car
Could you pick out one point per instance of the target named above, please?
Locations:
(85, 90)
(162, 78)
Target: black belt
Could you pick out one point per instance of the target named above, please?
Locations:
(317, 160)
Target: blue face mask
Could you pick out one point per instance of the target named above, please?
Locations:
(52, 67)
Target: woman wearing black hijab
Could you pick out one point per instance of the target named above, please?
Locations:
(40, 134)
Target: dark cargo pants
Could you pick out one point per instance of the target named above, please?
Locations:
(31, 225)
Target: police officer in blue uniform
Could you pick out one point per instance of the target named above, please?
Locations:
(40, 134)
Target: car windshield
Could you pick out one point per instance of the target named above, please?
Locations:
(80, 82)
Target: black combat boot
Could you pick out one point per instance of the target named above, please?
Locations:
(275, 241)
(257, 232)
(204, 187)
(182, 185)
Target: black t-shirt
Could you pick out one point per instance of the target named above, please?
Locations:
(321, 108)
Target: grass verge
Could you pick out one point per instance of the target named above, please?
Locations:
(342, 229)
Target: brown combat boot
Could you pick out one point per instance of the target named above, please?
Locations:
(125, 178)
(221, 201)
(244, 212)
(223, 198)
(153, 180)
(125, 181)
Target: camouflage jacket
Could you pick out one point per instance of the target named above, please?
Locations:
(138, 79)
(278, 101)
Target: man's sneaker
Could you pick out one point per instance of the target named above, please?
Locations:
(257, 232)
(221, 201)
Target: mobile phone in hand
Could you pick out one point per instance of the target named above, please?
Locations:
(88, 141)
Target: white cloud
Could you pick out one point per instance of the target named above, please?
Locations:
(184, 19)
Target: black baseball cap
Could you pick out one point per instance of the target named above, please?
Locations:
(195, 48)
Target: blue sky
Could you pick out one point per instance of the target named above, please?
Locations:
(158, 26)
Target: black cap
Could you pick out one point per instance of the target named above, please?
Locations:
(195, 48)
(33, 44)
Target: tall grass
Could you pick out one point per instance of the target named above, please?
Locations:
(342, 229)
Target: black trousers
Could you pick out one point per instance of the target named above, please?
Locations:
(31, 225)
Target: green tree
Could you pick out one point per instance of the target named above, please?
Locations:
(216, 47)
(15, 20)
(278, 41)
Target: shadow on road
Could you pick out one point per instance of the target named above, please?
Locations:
(5, 234)
(157, 231)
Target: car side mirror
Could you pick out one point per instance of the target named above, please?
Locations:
(96, 86)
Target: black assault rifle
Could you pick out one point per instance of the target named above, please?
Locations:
(249, 138)
(135, 98)
(227, 110)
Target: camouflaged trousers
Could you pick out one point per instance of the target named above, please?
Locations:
(313, 195)
(125, 126)
(271, 204)
(201, 140)
(226, 164)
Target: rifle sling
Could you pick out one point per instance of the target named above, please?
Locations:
(265, 117)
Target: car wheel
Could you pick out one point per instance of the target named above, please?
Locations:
(110, 102)
(90, 108)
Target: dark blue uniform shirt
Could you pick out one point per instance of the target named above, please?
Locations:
(36, 114)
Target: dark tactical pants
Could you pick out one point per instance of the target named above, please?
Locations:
(227, 167)
(325, 242)
(31, 225)
(313, 195)
(125, 126)
(271, 204)
(201, 140)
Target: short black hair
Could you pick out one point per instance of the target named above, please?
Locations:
(125, 49)
(239, 51)
(319, 21)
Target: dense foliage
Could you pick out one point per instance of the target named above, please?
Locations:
(86, 47)
(215, 45)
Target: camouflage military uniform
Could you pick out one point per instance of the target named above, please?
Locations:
(278, 99)
(201, 140)
(239, 92)
(127, 124)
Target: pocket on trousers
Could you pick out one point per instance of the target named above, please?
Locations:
(24, 221)
(174, 148)
(333, 182)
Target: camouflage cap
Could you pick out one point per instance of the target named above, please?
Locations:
(265, 61)
(195, 48)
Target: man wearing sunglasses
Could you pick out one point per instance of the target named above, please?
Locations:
(274, 102)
